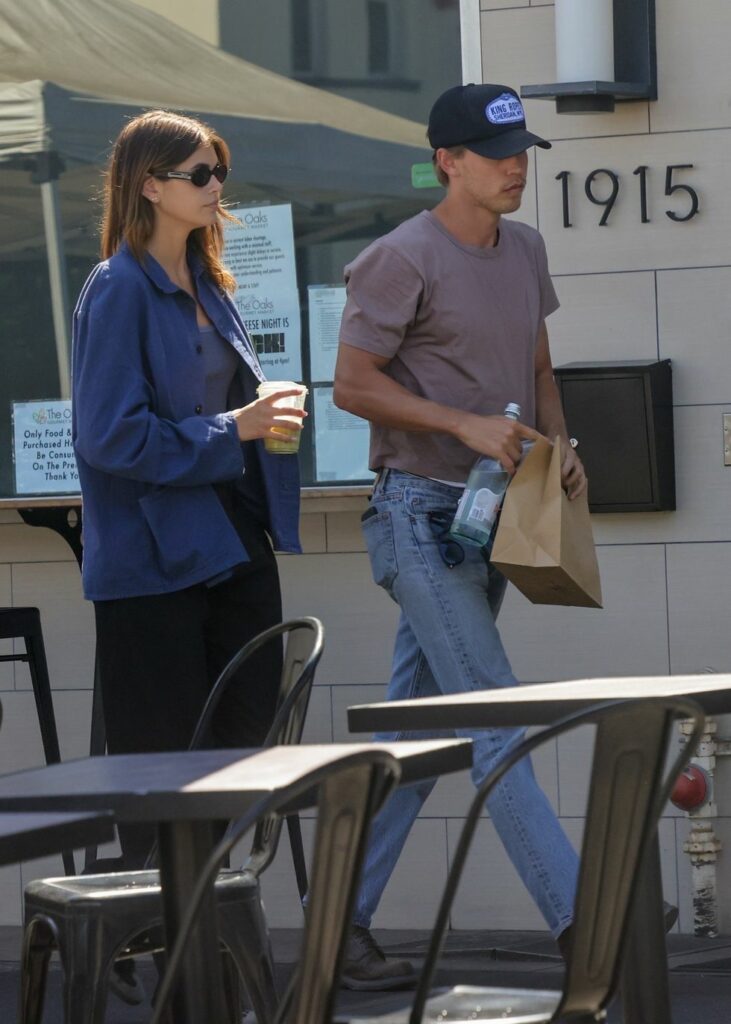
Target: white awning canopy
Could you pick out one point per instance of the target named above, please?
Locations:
(119, 52)
(72, 71)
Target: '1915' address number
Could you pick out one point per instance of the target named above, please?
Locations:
(671, 188)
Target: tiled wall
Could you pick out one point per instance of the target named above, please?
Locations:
(640, 291)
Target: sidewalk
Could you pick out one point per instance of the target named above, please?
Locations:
(700, 972)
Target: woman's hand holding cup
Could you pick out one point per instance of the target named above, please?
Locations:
(276, 416)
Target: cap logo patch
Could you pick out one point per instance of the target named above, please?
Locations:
(505, 109)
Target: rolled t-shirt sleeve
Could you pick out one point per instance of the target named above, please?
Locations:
(384, 290)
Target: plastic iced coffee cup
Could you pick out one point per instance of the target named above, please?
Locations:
(284, 445)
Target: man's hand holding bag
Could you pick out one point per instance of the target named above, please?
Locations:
(544, 544)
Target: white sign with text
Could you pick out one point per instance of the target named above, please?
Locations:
(326, 303)
(341, 441)
(43, 449)
(259, 252)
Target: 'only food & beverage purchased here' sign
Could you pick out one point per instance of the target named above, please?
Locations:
(42, 448)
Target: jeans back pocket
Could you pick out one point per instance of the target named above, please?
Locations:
(378, 534)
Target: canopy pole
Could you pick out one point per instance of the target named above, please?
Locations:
(46, 174)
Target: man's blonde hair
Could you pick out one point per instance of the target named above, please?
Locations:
(443, 178)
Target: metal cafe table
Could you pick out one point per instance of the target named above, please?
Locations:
(183, 794)
(644, 981)
(27, 836)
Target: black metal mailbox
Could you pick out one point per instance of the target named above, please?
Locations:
(622, 415)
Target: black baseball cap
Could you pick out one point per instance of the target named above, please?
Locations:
(487, 119)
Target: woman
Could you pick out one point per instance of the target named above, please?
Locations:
(180, 498)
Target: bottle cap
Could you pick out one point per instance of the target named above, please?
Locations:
(512, 409)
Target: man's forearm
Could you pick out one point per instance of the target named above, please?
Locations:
(551, 422)
(362, 388)
(549, 414)
(378, 398)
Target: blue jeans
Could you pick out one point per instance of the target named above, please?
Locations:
(447, 642)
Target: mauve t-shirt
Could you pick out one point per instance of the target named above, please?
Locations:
(459, 324)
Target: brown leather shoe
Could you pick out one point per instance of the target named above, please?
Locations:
(367, 969)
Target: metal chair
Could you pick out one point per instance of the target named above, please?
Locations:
(94, 920)
(25, 624)
(629, 787)
(351, 789)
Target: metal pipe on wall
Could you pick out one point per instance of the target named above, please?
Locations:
(47, 177)
(702, 844)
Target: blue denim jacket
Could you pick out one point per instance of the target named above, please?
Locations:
(147, 458)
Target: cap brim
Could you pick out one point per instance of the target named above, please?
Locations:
(507, 144)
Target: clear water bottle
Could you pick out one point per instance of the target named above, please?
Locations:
(477, 512)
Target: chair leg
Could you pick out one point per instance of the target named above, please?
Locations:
(44, 701)
(86, 965)
(38, 666)
(244, 932)
(298, 853)
(161, 965)
(231, 989)
(97, 744)
(39, 941)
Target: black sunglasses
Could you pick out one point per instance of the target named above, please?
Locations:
(450, 549)
(200, 175)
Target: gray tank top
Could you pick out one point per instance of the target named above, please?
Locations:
(220, 361)
(244, 499)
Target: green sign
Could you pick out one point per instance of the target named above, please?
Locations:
(423, 176)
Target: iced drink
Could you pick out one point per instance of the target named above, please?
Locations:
(284, 445)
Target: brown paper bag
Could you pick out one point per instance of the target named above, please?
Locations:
(544, 544)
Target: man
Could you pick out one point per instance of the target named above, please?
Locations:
(444, 324)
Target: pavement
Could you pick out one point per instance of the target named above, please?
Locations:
(700, 973)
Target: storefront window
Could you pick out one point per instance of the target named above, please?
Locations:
(395, 56)
(312, 193)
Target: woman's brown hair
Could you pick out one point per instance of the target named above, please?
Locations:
(154, 143)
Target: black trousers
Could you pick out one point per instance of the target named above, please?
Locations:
(159, 656)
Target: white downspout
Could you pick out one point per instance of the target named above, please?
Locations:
(702, 844)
